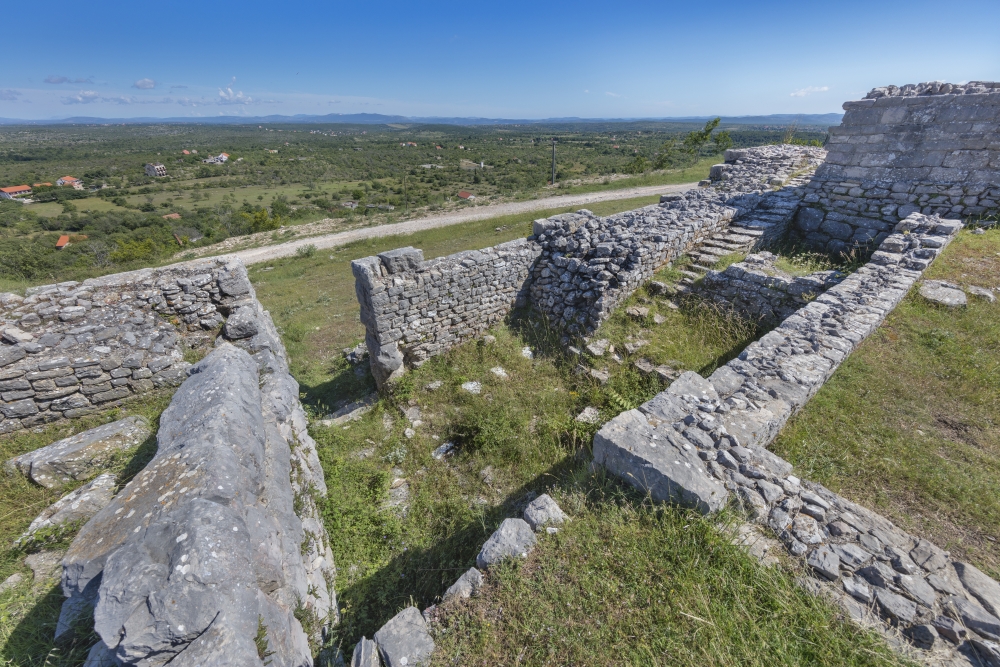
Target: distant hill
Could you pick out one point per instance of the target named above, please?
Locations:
(821, 120)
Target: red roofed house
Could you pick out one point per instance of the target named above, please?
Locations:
(71, 180)
(65, 240)
(172, 216)
(40, 185)
(14, 191)
(186, 152)
(466, 195)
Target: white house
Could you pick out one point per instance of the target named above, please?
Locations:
(155, 169)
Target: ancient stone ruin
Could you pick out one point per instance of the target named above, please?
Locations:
(219, 536)
(904, 168)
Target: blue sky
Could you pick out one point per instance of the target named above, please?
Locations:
(511, 59)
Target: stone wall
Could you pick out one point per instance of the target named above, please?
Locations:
(589, 265)
(930, 148)
(575, 268)
(756, 289)
(221, 532)
(702, 441)
(73, 348)
(414, 309)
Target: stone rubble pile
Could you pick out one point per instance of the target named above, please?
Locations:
(757, 290)
(72, 348)
(934, 88)
(701, 442)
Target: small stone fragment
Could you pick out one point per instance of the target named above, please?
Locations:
(473, 387)
(943, 293)
(466, 586)
(825, 562)
(365, 654)
(923, 636)
(513, 539)
(11, 582)
(858, 588)
(950, 629)
(590, 415)
(404, 641)
(896, 606)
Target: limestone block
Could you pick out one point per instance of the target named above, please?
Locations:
(81, 456)
(242, 323)
(543, 511)
(404, 641)
(78, 505)
(513, 539)
(365, 654)
(943, 293)
(466, 586)
(401, 260)
(654, 460)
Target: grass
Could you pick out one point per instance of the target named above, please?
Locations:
(628, 582)
(29, 611)
(312, 298)
(908, 425)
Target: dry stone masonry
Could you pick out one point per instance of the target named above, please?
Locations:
(932, 148)
(575, 268)
(220, 534)
(73, 348)
(758, 290)
(703, 441)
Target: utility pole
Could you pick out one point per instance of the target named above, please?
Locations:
(406, 202)
(553, 160)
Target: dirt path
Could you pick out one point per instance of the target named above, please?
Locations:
(268, 253)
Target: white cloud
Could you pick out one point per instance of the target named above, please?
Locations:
(177, 86)
(8, 95)
(612, 94)
(83, 97)
(144, 84)
(809, 90)
(587, 91)
(227, 96)
(54, 79)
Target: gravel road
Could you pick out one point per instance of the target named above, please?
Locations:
(268, 253)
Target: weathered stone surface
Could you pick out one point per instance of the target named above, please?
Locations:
(78, 505)
(365, 654)
(943, 293)
(980, 586)
(404, 641)
(44, 564)
(824, 561)
(543, 511)
(242, 323)
(81, 456)
(466, 586)
(203, 544)
(513, 539)
(895, 606)
(975, 617)
(654, 459)
(988, 652)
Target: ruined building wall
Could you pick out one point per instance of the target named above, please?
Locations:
(575, 268)
(221, 531)
(930, 148)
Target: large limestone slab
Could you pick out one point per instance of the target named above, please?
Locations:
(80, 456)
(404, 640)
(651, 456)
(202, 545)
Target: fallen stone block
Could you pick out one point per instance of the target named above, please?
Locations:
(543, 511)
(975, 617)
(404, 641)
(81, 456)
(513, 539)
(655, 460)
(943, 293)
(365, 654)
(980, 586)
(466, 586)
(78, 505)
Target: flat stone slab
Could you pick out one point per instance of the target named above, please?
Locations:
(980, 586)
(404, 640)
(82, 455)
(543, 511)
(943, 293)
(78, 505)
(656, 459)
(513, 539)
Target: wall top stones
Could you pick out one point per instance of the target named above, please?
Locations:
(934, 88)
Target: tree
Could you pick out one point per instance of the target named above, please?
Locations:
(676, 153)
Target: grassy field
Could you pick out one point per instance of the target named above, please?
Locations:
(29, 611)
(908, 425)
